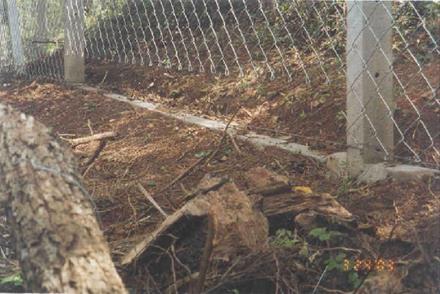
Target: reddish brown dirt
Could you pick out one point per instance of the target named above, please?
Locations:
(311, 114)
(153, 150)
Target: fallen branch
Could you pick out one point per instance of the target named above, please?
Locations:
(95, 137)
(190, 209)
(152, 201)
(243, 233)
(289, 200)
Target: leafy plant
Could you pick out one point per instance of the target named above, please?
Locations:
(304, 251)
(323, 234)
(336, 262)
(14, 279)
(151, 184)
(354, 279)
(340, 116)
(345, 186)
(284, 239)
(339, 263)
(201, 154)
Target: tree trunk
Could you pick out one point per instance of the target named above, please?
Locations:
(58, 240)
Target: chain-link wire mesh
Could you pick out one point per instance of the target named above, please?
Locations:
(36, 39)
(5, 52)
(300, 41)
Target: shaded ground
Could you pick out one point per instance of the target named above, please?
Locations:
(153, 150)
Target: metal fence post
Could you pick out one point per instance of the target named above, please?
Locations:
(370, 104)
(14, 28)
(74, 41)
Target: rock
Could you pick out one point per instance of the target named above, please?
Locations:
(223, 158)
(306, 220)
(260, 177)
(175, 94)
(373, 173)
(337, 164)
(404, 172)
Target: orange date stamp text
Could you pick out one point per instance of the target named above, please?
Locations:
(379, 265)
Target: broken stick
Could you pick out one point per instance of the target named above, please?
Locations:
(152, 201)
(225, 134)
(202, 191)
(206, 257)
(95, 155)
(182, 175)
(234, 143)
(96, 137)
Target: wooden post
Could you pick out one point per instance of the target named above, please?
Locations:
(370, 104)
(14, 28)
(74, 41)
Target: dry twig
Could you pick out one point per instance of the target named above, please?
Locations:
(95, 155)
(151, 199)
(179, 283)
(182, 175)
(223, 138)
(203, 191)
(95, 137)
(206, 257)
(89, 125)
(204, 160)
(234, 143)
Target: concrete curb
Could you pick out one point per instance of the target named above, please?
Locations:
(217, 125)
(336, 163)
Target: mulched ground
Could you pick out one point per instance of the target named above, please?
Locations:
(153, 150)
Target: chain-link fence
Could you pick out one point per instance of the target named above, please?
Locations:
(384, 55)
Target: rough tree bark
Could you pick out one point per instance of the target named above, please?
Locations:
(58, 240)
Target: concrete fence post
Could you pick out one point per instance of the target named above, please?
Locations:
(41, 33)
(74, 41)
(370, 104)
(14, 28)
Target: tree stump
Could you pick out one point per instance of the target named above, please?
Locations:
(59, 244)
